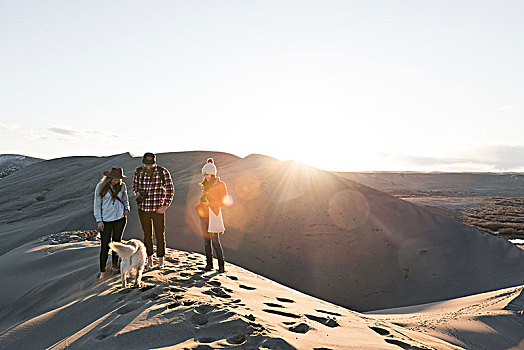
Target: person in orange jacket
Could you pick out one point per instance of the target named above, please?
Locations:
(209, 209)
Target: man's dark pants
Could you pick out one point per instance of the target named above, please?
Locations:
(148, 220)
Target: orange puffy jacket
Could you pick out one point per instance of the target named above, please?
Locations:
(215, 195)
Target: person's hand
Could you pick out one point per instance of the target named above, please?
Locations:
(100, 226)
(126, 212)
(161, 210)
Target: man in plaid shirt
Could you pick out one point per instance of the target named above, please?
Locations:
(154, 191)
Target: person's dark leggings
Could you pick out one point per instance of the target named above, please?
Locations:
(113, 231)
(158, 221)
(208, 239)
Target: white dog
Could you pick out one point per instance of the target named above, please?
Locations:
(133, 255)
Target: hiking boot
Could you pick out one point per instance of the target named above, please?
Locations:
(221, 265)
(208, 268)
(149, 262)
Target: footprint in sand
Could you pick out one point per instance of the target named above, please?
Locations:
(199, 319)
(204, 308)
(246, 287)
(178, 297)
(281, 313)
(231, 277)
(177, 302)
(174, 305)
(285, 300)
(274, 305)
(300, 328)
(214, 283)
(218, 292)
(380, 331)
(206, 340)
(257, 327)
(237, 339)
(147, 287)
(176, 290)
(330, 322)
(402, 344)
(181, 280)
(329, 313)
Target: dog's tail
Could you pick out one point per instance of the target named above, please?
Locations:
(123, 250)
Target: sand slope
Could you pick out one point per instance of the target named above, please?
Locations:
(492, 320)
(311, 230)
(180, 307)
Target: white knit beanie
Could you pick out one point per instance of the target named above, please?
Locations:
(209, 168)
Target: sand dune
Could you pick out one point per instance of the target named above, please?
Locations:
(313, 231)
(491, 320)
(338, 240)
(180, 307)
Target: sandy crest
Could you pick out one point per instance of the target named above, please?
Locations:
(61, 304)
(492, 320)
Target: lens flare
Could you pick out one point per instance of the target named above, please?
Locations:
(247, 187)
(201, 211)
(348, 209)
(227, 201)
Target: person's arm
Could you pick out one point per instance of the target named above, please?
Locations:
(97, 208)
(134, 187)
(125, 198)
(170, 189)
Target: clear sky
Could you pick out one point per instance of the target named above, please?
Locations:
(340, 85)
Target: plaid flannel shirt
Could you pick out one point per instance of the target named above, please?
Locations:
(159, 194)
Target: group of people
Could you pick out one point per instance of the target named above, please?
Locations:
(154, 191)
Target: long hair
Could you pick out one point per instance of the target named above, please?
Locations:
(106, 182)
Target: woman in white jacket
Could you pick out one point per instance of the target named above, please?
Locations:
(111, 207)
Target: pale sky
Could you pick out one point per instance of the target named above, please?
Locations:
(340, 85)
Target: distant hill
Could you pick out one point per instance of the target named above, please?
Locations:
(10, 163)
(407, 184)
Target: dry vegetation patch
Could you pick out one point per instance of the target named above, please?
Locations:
(499, 216)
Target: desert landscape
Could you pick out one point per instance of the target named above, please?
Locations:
(315, 260)
(491, 202)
